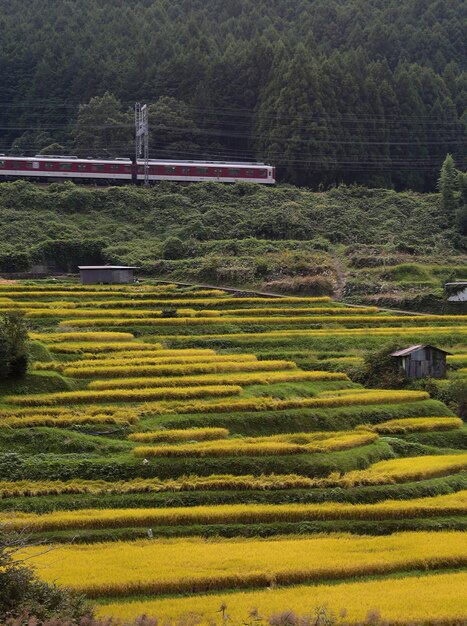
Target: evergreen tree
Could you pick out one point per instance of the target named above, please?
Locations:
(14, 353)
(447, 185)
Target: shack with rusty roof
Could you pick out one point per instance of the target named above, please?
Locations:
(422, 361)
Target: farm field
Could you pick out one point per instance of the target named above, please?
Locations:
(183, 449)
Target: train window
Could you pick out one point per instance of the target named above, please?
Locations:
(2, 163)
(262, 174)
(217, 171)
(65, 166)
(186, 171)
(97, 167)
(202, 170)
(128, 169)
(140, 169)
(249, 172)
(29, 165)
(169, 169)
(234, 172)
(82, 166)
(48, 165)
(115, 168)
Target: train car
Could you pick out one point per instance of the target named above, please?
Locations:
(50, 168)
(198, 171)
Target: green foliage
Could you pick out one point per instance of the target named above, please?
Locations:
(349, 92)
(14, 354)
(355, 495)
(447, 185)
(380, 369)
(14, 466)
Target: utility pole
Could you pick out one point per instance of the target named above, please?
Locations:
(142, 137)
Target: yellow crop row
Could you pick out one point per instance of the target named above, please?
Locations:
(264, 321)
(77, 313)
(143, 360)
(456, 359)
(221, 302)
(426, 599)
(83, 292)
(280, 311)
(266, 446)
(81, 336)
(61, 418)
(32, 310)
(415, 424)
(327, 332)
(122, 395)
(180, 369)
(174, 436)
(119, 568)
(243, 378)
(70, 310)
(181, 357)
(437, 506)
(83, 346)
(59, 412)
(384, 472)
(403, 470)
(85, 288)
(86, 359)
(39, 304)
(66, 421)
(271, 404)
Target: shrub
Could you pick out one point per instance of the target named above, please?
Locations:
(312, 285)
(14, 353)
(381, 370)
(22, 594)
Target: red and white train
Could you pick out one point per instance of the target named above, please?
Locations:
(50, 168)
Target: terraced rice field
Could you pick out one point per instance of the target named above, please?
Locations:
(173, 442)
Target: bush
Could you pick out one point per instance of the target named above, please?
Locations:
(380, 370)
(14, 353)
(23, 595)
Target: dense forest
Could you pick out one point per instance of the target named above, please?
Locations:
(330, 91)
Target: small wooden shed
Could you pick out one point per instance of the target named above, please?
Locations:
(106, 274)
(422, 361)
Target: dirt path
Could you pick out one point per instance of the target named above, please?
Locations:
(238, 291)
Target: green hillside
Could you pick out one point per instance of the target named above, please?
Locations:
(373, 245)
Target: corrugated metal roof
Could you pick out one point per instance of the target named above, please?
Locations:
(107, 267)
(412, 349)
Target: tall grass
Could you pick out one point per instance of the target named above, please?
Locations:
(428, 600)
(77, 347)
(242, 378)
(437, 506)
(185, 369)
(365, 320)
(81, 336)
(122, 395)
(415, 424)
(176, 436)
(300, 443)
(119, 570)
(271, 404)
(393, 471)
